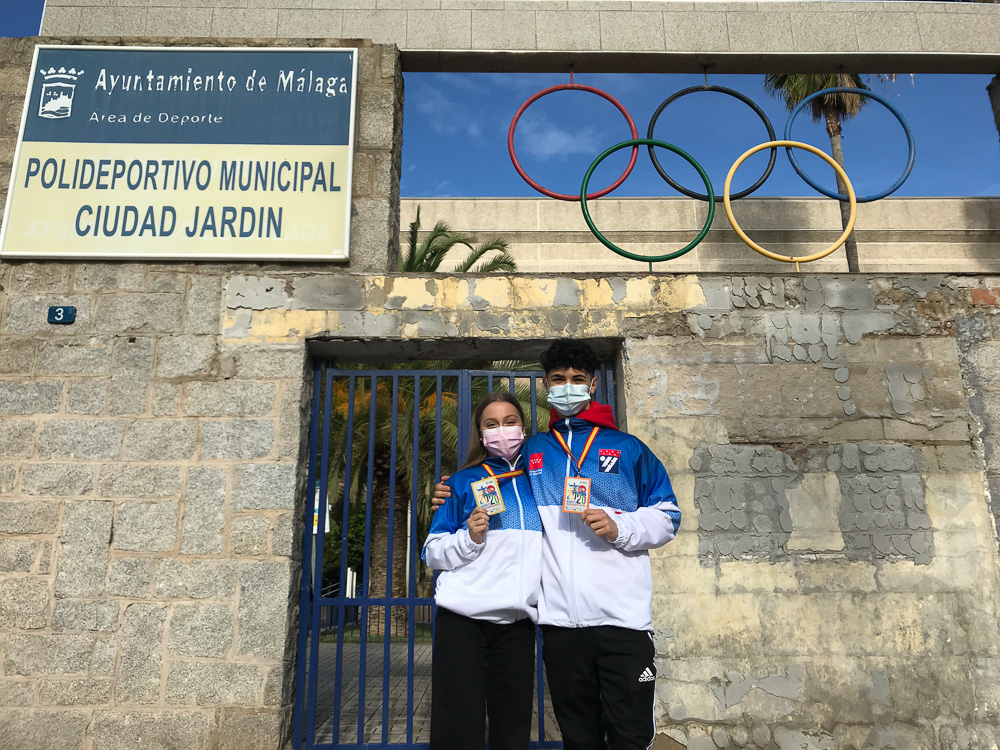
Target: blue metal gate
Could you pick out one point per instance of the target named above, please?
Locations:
(379, 440)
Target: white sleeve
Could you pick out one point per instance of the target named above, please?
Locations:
(645, 528)
(451, 550)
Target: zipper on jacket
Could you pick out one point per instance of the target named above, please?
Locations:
(520, 510)
(572, 547)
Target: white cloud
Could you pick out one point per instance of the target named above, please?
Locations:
(545, 140)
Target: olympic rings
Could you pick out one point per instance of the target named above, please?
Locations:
(790, 145)
(649, 142)
(571, 87)
(860, 92)
(728, 92)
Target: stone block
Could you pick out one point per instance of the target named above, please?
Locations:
(102, 662)
(381, 26)
(124, 480)
(17, 357)
(567, 30)
(178, 22)
(759, 32)
(17, 555)
(46, 654)
(249, 535)
(201, 630)
(278, 684)
(161, 440)
(86, 397)
(130, 577)
(8, 478)
(90, 356)
(169, 730)
(141, 644)
(83, 549)
(166, 282)
(71, 614)
(24, 603)
(80, 692)
(376, 110)
(229, 398)
(245, 439)
(204, 500)
(631, 31)
(39, 277)
(264, 609)
(130, 375)
(146, 527)
(204, 305)
(437, 29)
(199, 579)
(186, 356)
(30, 398)
(14, 693)
(34, 730)
(244, 23)
(310, 22)
(166, 400)
(257, 731)
(495, 29)
(57, 480)
(208, 684)
(328, 292)
(293, 427)
(267, 362)
(286, 535)
(265, 486)
(29, 517)
(139, 313)
(81, 438)
(372, 235)
(17, 438)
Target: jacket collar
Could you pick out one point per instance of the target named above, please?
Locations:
(597, 414)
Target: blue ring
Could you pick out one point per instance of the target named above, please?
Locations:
(860, 92)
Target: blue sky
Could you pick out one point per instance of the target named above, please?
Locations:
(455, 135)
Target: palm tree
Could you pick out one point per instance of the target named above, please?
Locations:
(426, 256)
(834, 109)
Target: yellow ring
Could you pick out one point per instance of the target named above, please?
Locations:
(829, 160)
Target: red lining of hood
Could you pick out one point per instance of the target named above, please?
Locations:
(599, 414)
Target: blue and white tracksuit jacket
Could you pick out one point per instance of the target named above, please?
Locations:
(588, 580)
(498, 580)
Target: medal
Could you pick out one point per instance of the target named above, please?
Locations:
(576, 495)
(576, 491)
(487, 491)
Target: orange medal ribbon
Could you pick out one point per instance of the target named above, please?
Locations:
(586, 448)
(516, 473)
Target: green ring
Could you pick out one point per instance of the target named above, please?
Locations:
(670, 147)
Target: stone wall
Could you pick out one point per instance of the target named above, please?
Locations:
(835, 581)
(152, 477)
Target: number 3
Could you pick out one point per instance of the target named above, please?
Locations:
(60, 313)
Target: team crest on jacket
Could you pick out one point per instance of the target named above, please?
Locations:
(534, 463)
(607, 460)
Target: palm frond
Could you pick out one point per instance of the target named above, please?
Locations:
(502, 262)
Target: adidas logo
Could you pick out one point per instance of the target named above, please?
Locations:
(647, 675)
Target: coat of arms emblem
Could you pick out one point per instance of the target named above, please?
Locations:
(57, 92)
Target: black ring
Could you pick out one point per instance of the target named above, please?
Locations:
(728, 92)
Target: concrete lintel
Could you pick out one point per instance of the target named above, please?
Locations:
(409, 350)
(514, 61)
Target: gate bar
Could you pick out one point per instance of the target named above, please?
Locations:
(365, 579)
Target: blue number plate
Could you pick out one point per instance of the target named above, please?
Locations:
(62, 316)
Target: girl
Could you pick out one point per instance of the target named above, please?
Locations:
(487, 541)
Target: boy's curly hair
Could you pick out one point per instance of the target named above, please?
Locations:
(568, 353)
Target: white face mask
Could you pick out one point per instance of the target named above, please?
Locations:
(570, 398)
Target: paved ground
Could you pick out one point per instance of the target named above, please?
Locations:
(395, 674)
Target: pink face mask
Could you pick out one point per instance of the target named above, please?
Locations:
(503, 441)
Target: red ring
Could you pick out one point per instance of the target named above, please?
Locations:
(571, 87)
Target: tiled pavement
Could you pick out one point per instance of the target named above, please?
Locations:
(396, 676)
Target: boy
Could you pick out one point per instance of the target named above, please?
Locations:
(604, 500)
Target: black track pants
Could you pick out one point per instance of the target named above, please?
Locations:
(602, 682)
(477, 667)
